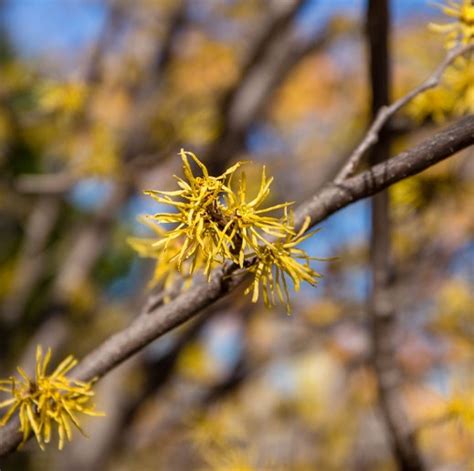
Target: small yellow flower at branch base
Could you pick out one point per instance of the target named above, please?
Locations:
(214, 221)
(47, 402)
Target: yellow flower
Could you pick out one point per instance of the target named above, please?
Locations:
(461, 31)
(436, 104)
(212, 223)
(278, 260)
(166, 266)
(245, 219)
(47, 401)
(199, 216)
(455, 96)
(460, 79)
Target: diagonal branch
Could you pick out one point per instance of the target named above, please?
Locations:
(386, 112)
(329, 200)
(122, 345)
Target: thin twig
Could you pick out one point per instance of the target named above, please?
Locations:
(386, 112)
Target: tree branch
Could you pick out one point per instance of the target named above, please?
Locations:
(386, 112)
(334, 196)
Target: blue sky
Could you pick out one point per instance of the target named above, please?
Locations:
(40, 27)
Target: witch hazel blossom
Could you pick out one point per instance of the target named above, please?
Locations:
(47, 402)
(213, 221)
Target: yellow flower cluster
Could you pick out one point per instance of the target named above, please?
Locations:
(47, 401)
(212, 222)
(462, 30)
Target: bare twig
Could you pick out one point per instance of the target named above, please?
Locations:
(386, 112)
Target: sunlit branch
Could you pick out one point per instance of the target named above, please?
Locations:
(334, 196)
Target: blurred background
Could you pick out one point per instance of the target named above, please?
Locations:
(96, 99)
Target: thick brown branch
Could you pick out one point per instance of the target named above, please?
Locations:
(438, 147)
(121, 346)
(333, 197)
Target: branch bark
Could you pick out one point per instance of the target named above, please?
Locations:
(122, 345)
(385, 112)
